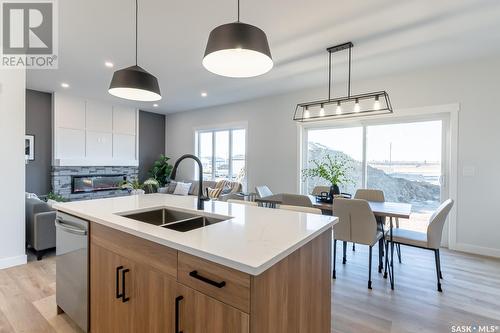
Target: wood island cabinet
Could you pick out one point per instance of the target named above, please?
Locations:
(140, 286)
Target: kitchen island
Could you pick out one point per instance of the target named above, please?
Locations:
(157, 264)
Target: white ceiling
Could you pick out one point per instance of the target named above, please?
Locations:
(389, 36)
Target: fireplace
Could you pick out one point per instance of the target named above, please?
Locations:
(96, 183)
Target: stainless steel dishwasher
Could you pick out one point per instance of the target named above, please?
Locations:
(72, 292)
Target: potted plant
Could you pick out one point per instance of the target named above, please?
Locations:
(151, 185)
(334, 169)
(161, 170)
(53, 198)
(133, 187)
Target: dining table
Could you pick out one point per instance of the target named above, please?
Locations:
(382, 210)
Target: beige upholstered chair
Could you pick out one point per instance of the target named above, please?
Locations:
(302, 209)
(372, 195)
(430, 240)
(375, 196)
(357, 224)
(317, 190)
(263, 191)
(242, 202)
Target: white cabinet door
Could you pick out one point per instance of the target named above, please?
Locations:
(124, 120)
(124, 147)
(99, 117)
(99, 145)
(69, 112)
(70, 143)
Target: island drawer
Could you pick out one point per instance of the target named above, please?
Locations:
(222, 283)
(138, 249)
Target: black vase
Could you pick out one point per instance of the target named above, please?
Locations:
(334, 190)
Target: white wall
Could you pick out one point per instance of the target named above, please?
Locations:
(12, 131)
(273, 137)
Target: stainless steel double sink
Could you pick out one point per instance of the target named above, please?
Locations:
(174, 219)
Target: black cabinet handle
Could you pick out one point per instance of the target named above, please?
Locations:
(118, 294)
(178, 300)
(124, 298)
(207, 280)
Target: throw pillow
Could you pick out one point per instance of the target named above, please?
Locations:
(182, 188)
(171, 187)
(213, 193)
(226, 190)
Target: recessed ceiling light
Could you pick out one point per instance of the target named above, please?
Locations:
(155, 105)
(64, 85)
(109, 64)
(204, 94)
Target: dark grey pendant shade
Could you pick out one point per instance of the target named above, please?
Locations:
(136, 84)
(237, 50)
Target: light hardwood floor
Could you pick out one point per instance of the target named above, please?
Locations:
(471, 295)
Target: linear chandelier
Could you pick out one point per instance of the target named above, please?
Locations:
(372, 103)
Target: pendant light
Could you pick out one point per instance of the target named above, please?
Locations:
(372, 103)
(237, 50)
(134, 82)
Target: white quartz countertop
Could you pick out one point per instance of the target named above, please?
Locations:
(251, 240)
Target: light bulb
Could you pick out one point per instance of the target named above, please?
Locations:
(306, 112)
(322, 111)
(356, 106)
(376, 104)
(339, 108)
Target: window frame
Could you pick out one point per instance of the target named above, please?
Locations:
(221, 128)
(364, 124)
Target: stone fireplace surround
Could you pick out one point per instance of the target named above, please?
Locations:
(61, 180)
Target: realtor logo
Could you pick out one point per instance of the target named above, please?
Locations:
(29, 34)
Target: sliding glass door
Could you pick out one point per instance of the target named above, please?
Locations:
(404, 159)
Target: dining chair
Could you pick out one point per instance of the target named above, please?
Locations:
(431, 240)
(357, 224)
(317, 190)
(263, 191)
(301, 209)
(375, 196)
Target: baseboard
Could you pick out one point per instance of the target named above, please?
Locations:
(484, 251)
(13, 261)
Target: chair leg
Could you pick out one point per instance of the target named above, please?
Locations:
(386, 258)
(353, 247)
(380, 251)
(334, 274)
(436, 257)
(398, 249)
(344, 252)
(370, 268)
(439, 264)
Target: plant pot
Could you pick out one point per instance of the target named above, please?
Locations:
(137, 192)
(334, 190)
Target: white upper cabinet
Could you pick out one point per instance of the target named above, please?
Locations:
(93, 133)
(99, 145)
(124, 120)
(99, 117)
(70, 112)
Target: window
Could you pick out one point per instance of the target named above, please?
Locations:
(222, 153)
(336, 141)
(403, 159)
